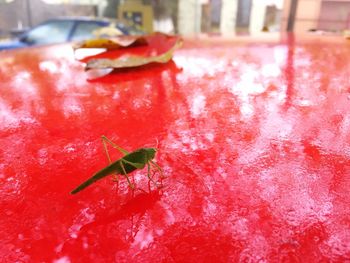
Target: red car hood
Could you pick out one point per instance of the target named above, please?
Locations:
(253, 139)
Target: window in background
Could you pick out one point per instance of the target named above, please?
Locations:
(51, 32)
(84, 30)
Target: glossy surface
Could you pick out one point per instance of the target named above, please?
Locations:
(254, 141)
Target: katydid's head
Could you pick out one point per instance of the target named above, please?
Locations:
(150, 153)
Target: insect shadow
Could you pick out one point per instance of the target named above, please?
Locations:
(133, 210)
(137, 205)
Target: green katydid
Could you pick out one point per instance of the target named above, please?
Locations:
(130, 162)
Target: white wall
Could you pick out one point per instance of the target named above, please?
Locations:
(228, 16)
(189, 17)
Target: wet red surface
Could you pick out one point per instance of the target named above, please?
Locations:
(254, 141)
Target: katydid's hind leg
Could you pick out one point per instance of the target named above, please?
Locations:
(115, 176)
(149, 174)
(115, 179)
(105, 140)
(116, 187)
(105, 149)
(125, 175)
(149, 181)
(158, 168)
(161, 181)
(133, 180)
(149, 186)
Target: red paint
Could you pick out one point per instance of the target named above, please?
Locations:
(254, 141)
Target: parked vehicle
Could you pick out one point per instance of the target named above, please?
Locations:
(64, 30)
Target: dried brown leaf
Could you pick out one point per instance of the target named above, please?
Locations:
(113, 43)
(129, 61)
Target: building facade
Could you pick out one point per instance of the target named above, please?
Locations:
(329, 15)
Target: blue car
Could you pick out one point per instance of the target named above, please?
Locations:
(64, 30)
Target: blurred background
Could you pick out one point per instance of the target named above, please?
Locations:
(186, 17)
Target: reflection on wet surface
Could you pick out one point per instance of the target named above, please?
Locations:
(253, 140)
